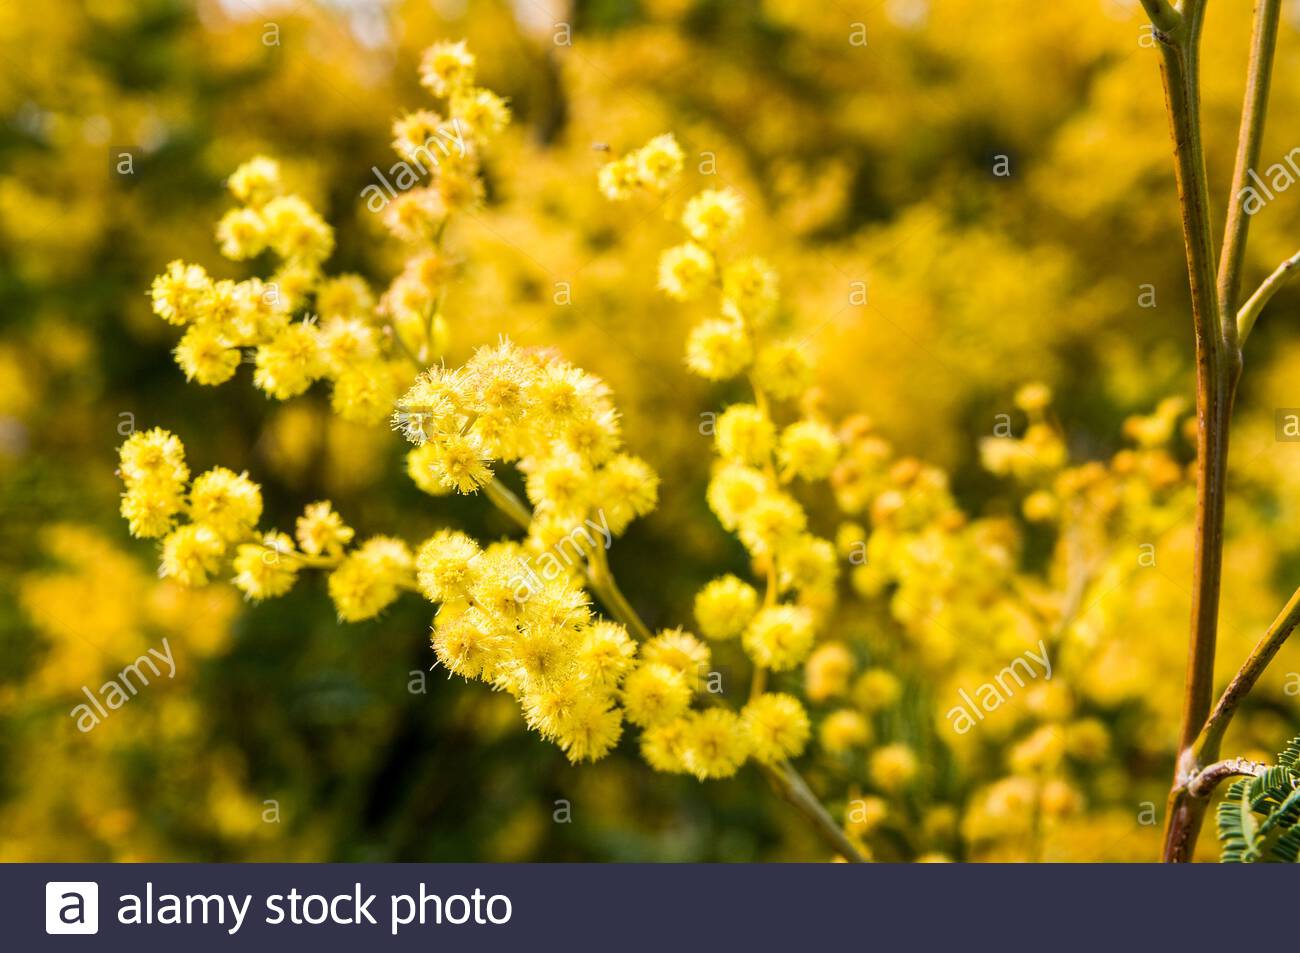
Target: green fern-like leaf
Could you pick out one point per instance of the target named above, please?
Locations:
(1259, 817)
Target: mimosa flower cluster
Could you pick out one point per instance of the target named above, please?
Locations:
(365, 349)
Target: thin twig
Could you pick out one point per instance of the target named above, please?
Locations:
(1207, 746)
(1203, 783)
(1250, 137)
(1255, 303)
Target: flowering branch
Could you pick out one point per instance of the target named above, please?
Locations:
(784, 777)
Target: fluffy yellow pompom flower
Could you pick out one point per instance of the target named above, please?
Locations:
(444, 566)
(266, 569)
(659, 162)
(893, 767)
(656, 166)
(321, 530)
(724, 607)
(654, 693)
(750, 286)
(153, 457)
(205, 355)
(783, 369)
(774, 522)
(483, 111)
(191, 554)
(626, 487)
(286, 365)
(877, 689)
(606, 654)
(678, 650)
(227, 502)
(241, 234)
(746, 434)
(663, 745)
(369, 579)
(151, 511)
(713, 216)
(685, 271)
(152, 465)
(827, 672)
(256, 182)
(808, 565)
(177, 292)
(734, 491)
(777, 725)
(842, 730)
(446, 68)
(779, 637)
(808, 450)
(718, 349)
(715, 744)
(590, 729)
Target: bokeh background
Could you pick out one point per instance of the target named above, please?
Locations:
(998, 174)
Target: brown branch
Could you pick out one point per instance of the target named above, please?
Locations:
(1218, 363)
(1203, 783)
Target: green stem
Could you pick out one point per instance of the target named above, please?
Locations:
(1249, 140)
(1255, 303)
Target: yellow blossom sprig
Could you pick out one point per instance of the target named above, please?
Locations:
(365, 349)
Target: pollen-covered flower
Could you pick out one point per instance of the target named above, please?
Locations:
(718, 349)
(778, 727)
(808, 450)
(734, 491)
(679, 650)
(176, 293)
(713, 216)
(715, 744)
(191, 554)
(482, 110)
(746, 434)
(654, 693)
(369, 578)
(751, 287)
(286, 365)
(446, 68)
(444, 566)
(685, 271)
(877, 689)
(256, 182)
(783, 369)
(206, 356)
(607, 654)
(265, 569)
(241, 234)
(827, 671)
(659, 162)
(893, 767)
(843, 730)
(228, 503)
(779, 637)
(724, 607)
(321, 530)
